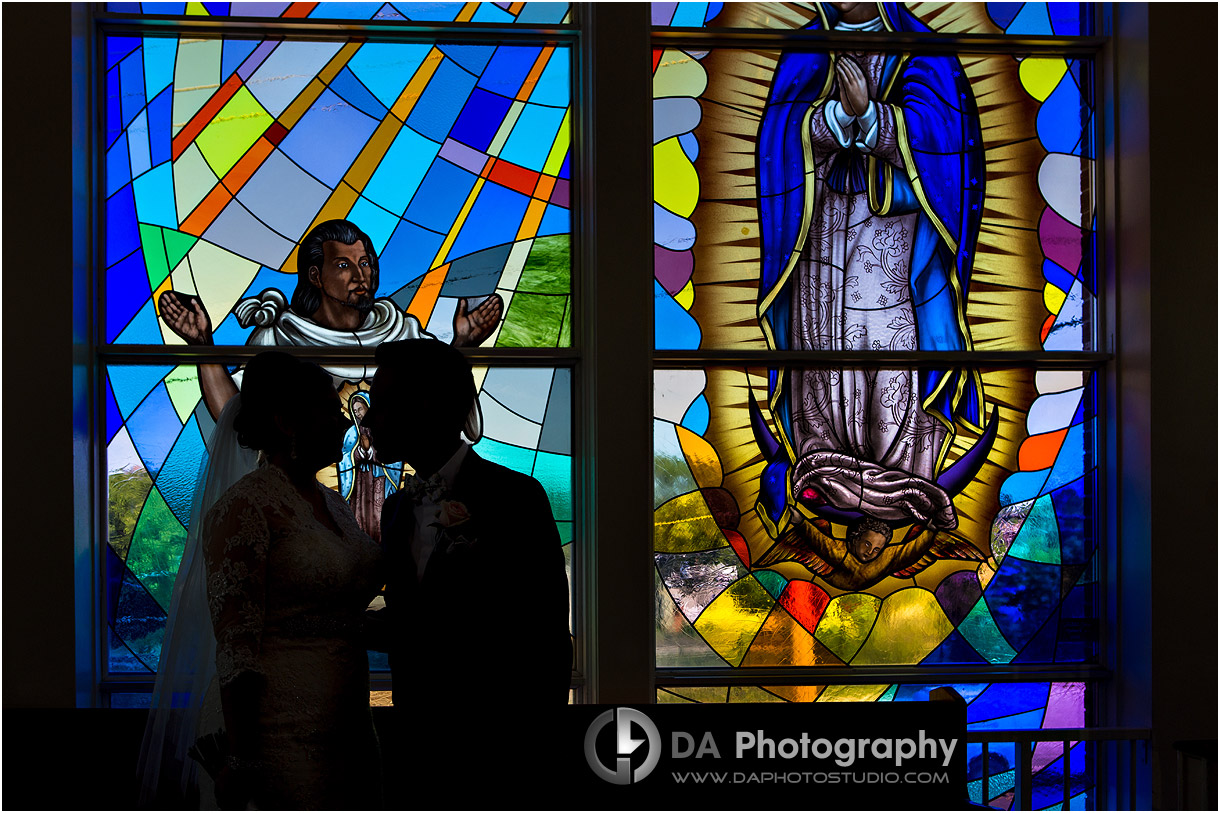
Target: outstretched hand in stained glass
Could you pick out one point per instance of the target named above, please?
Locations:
(334, 304)
(186, 317)
(472, 327)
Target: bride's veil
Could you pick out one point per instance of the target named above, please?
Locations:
(188, 653)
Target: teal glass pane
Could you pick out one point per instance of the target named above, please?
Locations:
(221, 155)
(1043, 19)
(158, 426)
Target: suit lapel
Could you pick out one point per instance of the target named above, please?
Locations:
(465, 486)
(468, 477)
(398, 527)
(401, 523)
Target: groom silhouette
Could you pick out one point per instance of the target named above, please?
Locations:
(476, 616)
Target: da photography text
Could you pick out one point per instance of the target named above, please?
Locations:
(844, 751)
(852, 755)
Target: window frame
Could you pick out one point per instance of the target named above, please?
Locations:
(614, 627)
(92, 23)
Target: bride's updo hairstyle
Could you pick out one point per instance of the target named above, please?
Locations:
(275, 383)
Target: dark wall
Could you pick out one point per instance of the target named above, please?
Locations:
(37, 259)
(1184, 278)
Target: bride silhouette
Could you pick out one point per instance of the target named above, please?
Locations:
(265, 628)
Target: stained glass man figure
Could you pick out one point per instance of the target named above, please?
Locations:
(870, 170)
(334, 305)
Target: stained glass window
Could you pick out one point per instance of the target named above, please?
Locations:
(850, 241)
(502, 13)
(744, 582)
(222, 148)
(157, 427)
(1027, 160)
(963, 401)
(222, 154)
(1017, 19)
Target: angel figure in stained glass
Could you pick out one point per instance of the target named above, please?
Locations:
(871, 185)
(867, 555)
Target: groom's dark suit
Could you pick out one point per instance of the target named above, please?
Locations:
(486, 628)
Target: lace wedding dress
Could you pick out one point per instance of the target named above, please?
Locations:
(287, 596)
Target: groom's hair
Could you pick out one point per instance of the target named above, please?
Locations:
(437, 372)
(306, 298)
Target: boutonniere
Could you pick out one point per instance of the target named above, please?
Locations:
(451, 513)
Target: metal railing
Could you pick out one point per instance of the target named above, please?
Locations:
(1112, 779)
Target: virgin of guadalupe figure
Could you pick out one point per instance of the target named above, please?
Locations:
(871, 187)
(364, 481)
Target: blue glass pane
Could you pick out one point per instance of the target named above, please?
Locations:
(350, 89)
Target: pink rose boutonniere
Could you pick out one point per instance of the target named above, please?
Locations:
(452, 513)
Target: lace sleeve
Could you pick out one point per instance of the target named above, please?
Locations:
(235, 543)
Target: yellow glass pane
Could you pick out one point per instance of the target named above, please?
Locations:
(685, 524)
(234, 130)
(846, 623)
(730, 622)
(910, 624)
